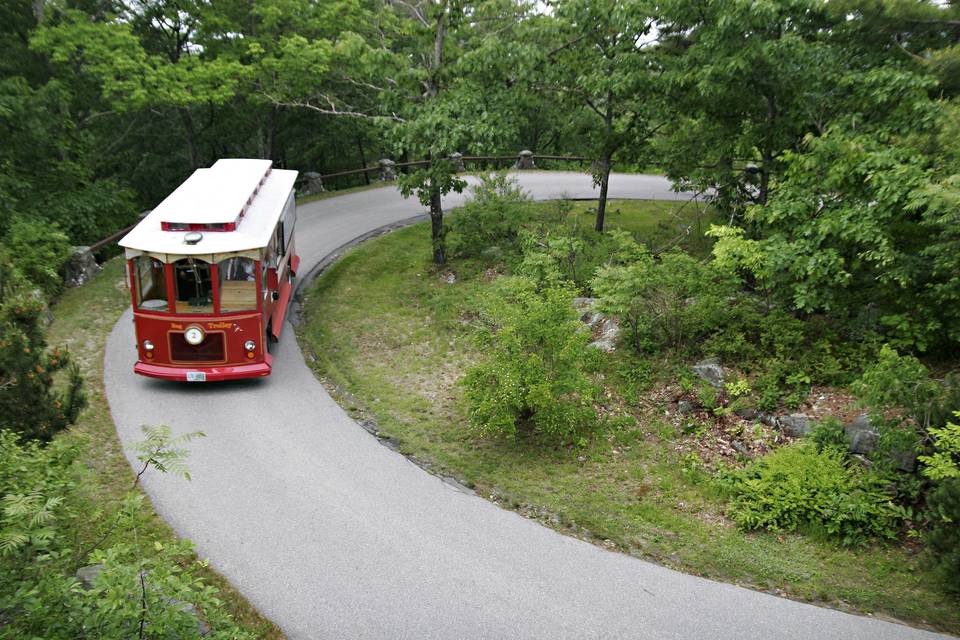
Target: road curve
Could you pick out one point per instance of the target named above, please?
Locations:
(331, 535)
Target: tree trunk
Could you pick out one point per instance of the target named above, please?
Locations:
(438, 233)
(191, 136)
(363, 159)
(605, 163)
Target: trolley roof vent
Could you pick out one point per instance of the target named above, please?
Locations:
(214, 199)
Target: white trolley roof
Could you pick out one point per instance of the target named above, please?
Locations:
(216, 196)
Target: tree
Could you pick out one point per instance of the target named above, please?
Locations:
(28, 402)
(748, 80)
(605, 60)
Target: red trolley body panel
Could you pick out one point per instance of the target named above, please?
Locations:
(210, 286)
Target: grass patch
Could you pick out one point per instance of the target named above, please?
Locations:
(83, 318)
(391, 336)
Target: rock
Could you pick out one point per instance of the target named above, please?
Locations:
(525, 160)
(449, 277)
(711, 371)
(905, 461)
(861, 436)
(747, 413)
(457, 160)
(80, 267)
(795, 424)
(685, 406)
(739, 448)
(388, 170)
(312, 183)
(769, 419)
(87, 575)
(609, 331)
(864, 461)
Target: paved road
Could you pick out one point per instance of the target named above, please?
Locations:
(332, 535)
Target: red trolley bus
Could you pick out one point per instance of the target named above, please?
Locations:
(210, 273)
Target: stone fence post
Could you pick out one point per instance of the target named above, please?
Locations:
(388, 170)
(312, 183)
(525, 160)
(457, 159)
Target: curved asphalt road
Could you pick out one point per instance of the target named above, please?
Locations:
(332, 535)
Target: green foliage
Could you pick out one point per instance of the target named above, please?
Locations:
(29, 402)
(943, 539)
(492, 216)
(799, 487)
(670, 303)
(944, 462)
(40, 251)
(46, 531)
(534, 380)
(828, 433)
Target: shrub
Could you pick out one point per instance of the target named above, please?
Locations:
(671, 303)
(943, 539)
(533, 381)
(40, 250)
(48, 528)
(494, 213)
(797, 486)
(28, 402)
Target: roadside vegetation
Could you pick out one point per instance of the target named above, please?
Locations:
(499, 369)
(82, 554)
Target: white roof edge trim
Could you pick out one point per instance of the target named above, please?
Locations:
(252, 233)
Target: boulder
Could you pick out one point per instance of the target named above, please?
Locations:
(861, 436)
(711, 371)
(795, 424)
(87, 575)
(80, 267)
(457, 160)
(747, 413)
(609, 332)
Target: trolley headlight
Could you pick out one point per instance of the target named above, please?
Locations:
(193, 335)
(147, 345)
(249, 345)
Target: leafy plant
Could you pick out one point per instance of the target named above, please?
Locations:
(944, 462)
(492, 215)
(798, 486)
(668, 303)
(534, 379)
(943, 539)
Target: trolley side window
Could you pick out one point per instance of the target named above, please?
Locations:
(194, 286)
(238, 284)
(151, 283)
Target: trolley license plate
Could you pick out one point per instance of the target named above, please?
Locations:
(196, 376)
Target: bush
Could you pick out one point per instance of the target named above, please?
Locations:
(797, 486)
(493, 215)
(670, 303)
(533, 381)
(943, 539)
(48, 529)
(39, 250)
(28, 402)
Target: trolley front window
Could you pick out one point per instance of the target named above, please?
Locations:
(151, 284)
(238, 285)
(194, 286)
